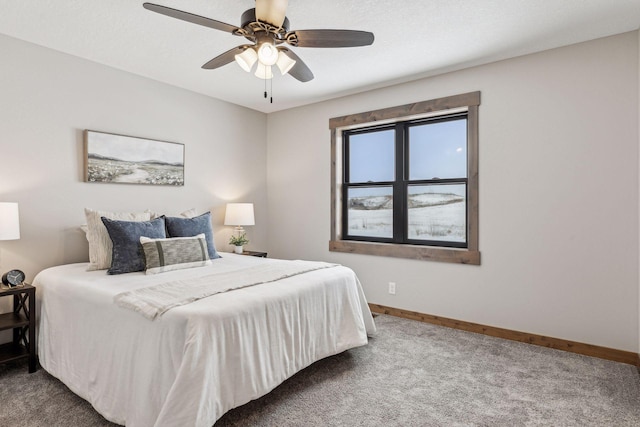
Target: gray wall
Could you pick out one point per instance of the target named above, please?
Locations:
(48, 98)
(558, 195)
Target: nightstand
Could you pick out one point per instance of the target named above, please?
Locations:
(254, 253)
(23, 322)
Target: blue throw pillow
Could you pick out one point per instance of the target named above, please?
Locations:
(127, 255)
(189, 227)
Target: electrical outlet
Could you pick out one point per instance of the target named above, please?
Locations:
(392, 288)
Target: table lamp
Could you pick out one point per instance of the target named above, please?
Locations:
(9, 221)
(239, 214)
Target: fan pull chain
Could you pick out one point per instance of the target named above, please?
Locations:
(270, 89)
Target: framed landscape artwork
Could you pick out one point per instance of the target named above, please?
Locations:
(130, 160)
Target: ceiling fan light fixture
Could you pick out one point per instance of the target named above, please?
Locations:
(264, 72)
(246, 59)
(267, 27)
(284, 63)
(267, 53)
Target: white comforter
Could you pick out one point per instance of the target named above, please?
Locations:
(195, 362)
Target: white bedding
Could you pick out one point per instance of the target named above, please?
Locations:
(195, 362)
(153, 301)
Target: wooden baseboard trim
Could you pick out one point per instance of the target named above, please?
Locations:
(556, 343)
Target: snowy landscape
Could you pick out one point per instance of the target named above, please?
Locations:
(132, 160)
(432, 216)
(105, 169)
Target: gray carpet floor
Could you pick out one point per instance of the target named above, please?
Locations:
(410, 374)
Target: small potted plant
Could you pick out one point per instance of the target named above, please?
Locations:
(238, 242)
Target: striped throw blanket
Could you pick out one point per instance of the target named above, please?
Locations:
(155, 300)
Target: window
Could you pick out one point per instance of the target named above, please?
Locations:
(405, 181)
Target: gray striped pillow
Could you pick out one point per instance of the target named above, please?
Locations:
(174, 253)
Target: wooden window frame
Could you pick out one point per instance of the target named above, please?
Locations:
(468, 102)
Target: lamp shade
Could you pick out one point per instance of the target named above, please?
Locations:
(246, 59)
(267, 53)
(9, 221)
(263, 72)
(239, 214)
(284, 63)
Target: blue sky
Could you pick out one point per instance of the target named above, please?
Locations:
(437, 150)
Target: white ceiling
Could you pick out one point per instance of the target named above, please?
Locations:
(413, 39)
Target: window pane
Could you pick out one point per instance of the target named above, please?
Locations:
(371, 156)
(438, 150)
(437, 212)
(370, 212)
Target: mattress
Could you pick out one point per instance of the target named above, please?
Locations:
(197, 361)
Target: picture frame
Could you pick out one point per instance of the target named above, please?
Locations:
(121, 159)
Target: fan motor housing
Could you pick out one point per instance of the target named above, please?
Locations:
(249, 17)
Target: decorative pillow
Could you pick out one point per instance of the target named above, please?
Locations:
(125, 235)
(174, 253)
(100, 246)
(189, 213)
(189, 227)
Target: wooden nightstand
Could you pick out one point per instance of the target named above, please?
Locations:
(23, 322)
(254, 253)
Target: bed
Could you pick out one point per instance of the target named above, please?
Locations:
(194, 362)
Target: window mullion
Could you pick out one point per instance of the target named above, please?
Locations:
(399, 214)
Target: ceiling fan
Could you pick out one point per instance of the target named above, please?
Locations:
(267, 28)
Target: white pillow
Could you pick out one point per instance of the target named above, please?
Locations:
(100, 245)
(190, 213)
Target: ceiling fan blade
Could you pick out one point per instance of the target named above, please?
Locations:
(225, 58)
(329, 38)
(300, 71)
(271, 11)
(190, 17)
